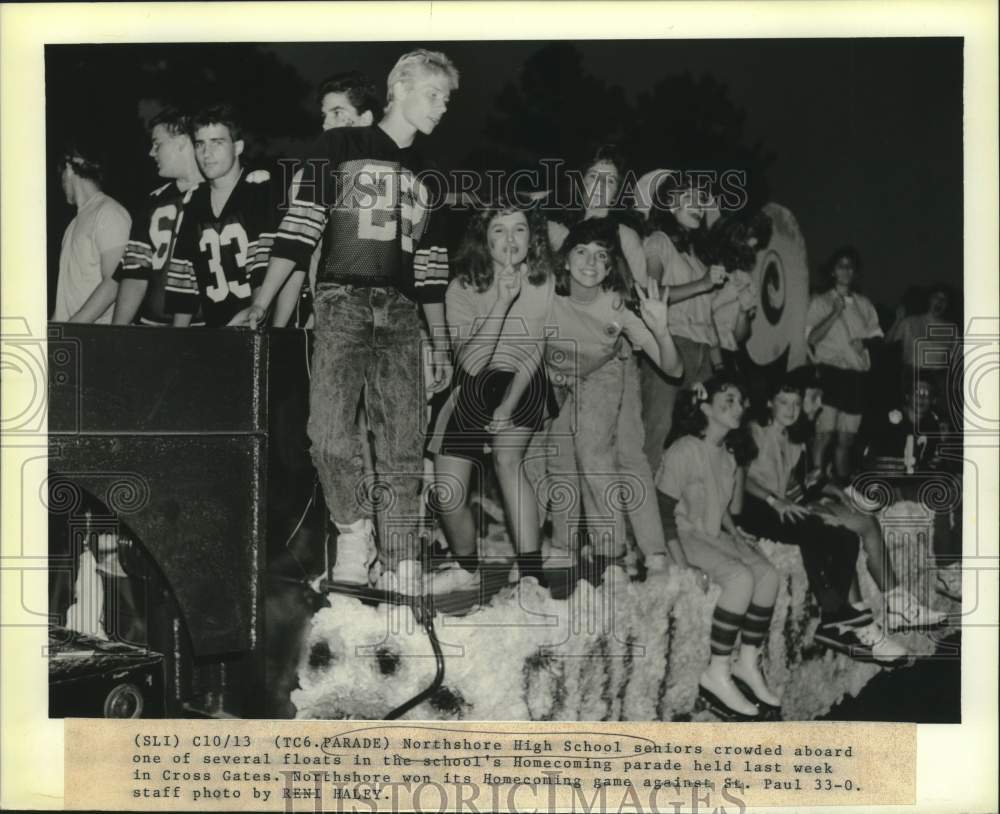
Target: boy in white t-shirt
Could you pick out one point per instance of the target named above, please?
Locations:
(92, 244)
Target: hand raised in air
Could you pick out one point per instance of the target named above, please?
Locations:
(653, 306)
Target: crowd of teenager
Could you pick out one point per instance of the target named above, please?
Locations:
(612, 330)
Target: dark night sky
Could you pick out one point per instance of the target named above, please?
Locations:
(867, 133)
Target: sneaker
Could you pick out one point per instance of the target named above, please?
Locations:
(632, 564)
(867, 642)
(600, 563)
(453, 578)
(407, 579)
(355, 554)
(904, 612)
(884, 648)
(657, 564)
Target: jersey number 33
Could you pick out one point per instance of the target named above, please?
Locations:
(226, 254)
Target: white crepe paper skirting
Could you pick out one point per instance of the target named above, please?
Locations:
(623, 651)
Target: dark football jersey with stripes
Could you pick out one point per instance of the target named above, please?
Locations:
(219, 259)
(364, 193)
(151, 243)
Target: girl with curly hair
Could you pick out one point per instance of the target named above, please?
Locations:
(598, 195)
(495, 308)
(696, 485)
(678, 221)
(840, 325)
(596, 314)
(788, 503)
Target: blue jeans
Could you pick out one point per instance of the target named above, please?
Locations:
(368, 342)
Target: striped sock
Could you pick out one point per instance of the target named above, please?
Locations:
(725, 628)
(756, 624)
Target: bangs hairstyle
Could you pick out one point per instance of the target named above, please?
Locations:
(218, 114)
(666, 194)
(786, 384)
(688, 419)
(843, 252)
(801, 379)
(604, 232)
(570, 192)
(358, 89)
(473, 262)
(407, 66)
(174, 121)
(601, 154)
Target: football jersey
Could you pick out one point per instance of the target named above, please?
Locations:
(219, 259)
(151, 243)
(363, 192)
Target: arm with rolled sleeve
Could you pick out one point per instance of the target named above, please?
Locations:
(872, 329)
(820, 317)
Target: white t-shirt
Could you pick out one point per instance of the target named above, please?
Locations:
(738, 291)
(587, 335)
(692, 318)
(701, 477)
(858, 320)
(101, 225)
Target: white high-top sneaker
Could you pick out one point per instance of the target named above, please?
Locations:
(883, 648)
(355, 553)
(407, 579)
(903, 611)
(453, 578)
(657, 564)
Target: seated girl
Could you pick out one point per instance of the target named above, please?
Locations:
(695, 487)
(846, 507)
(783, 504)
(495, 308)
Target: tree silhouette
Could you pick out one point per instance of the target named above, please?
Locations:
(556, 109)
(689, 123)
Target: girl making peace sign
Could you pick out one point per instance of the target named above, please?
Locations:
(589, 318)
